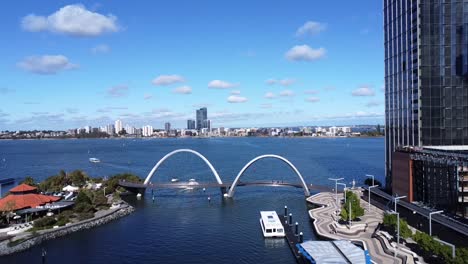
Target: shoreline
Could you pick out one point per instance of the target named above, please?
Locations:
(35, 240)
(163, 138)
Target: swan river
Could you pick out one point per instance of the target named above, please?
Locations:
(181, 226)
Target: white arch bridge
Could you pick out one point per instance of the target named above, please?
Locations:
(228, 189)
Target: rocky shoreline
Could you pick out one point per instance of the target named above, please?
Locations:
(6, 249)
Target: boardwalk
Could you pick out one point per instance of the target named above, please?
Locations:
(324, 225)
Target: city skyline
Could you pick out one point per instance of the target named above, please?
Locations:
(151, 69)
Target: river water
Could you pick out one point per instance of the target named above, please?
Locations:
(181, 225)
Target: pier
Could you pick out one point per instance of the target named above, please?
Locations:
(291, 237)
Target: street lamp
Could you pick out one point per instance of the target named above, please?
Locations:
(369, 175)
(344, 190)
(396, 199)
(398, 229)
(369, 190)
(105, 191)
(430, 220)
(336, 186)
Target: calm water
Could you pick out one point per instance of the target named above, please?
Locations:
(181, 226)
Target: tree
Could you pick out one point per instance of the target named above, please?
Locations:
(82, 198)
(29, 181)
(78, 178)
(356, 209)
(390, 220)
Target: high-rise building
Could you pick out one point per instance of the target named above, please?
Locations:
(426, 75)
(118, 126)
(110, 129)
(167, 127)
(191, 124)
(147, 131)
(207, 124)
(202, 114)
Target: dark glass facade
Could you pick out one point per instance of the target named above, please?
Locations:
(202, 115)
(426, 74)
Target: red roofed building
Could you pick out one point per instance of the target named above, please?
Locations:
(24, 196)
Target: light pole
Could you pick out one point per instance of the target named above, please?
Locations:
(336, 186)
(344, 190)
(430, 220)
(396, 199)
(369, 175)
(369, 190)
(105, 191)
(398, 230)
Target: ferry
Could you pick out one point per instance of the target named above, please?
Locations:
(271, 224)
(94, 160)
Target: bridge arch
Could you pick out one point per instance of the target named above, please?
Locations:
(155, 168)
(241, 172)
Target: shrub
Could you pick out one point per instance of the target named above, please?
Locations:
(44, 222)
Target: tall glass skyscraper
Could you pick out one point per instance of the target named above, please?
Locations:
(426, 74)
(202, 115)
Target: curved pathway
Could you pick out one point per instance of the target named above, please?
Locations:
(325, 225)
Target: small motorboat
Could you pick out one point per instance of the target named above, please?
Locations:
(94, 160)
(174, 180)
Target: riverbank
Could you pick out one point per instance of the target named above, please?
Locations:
(28, 240)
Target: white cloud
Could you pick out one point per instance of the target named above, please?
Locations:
(147, 96)
(46, 64)
(168, 79)
(363, 91)
(304, 53)
(218, 84)
(283, 82)
(311, 91)
(183, 90)
(118, 91)
(235, 92)
(236, 99)
(73, 20)
(310, 28)
(269, 95)
(313, 99)
(286, 93)
(101, 49)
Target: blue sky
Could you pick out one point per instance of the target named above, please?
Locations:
(252, 63)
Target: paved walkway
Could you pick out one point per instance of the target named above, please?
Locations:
(326, 226)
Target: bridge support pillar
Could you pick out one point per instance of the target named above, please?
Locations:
(223, 190)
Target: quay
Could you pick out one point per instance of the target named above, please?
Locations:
(291, 237)
(365, 232)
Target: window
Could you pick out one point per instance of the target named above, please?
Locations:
(279, 230)
(268, 230)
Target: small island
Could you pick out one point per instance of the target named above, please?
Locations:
(64, 203)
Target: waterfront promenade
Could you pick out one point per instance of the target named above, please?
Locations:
(326, 225)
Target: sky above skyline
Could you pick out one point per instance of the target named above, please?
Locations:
(251, 63)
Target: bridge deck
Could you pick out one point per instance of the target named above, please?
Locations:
(183, 185)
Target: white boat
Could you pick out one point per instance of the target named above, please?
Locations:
(174, 180)
(94, 160)
(271, 224)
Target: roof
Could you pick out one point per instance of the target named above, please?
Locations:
(339, 251)
(52, 207)
(23, 188)
(22, 201)
(449, 148)
(270, 219)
